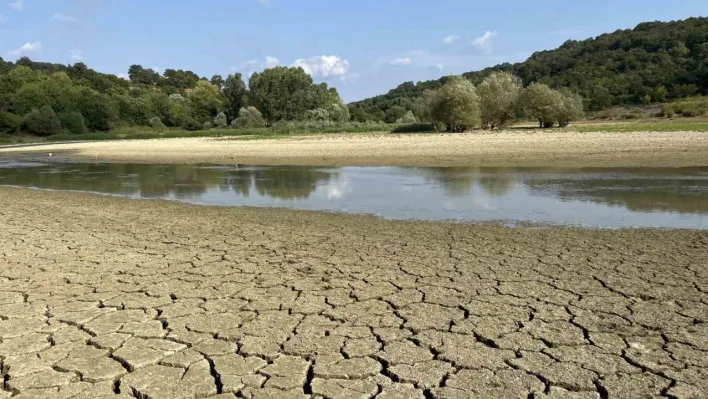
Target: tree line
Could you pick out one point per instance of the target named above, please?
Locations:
(46, 99)
(654, 62)
(499, 100)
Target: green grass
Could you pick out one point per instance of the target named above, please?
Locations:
(254, 134)
(645, 126)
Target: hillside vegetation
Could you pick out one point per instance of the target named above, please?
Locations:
(47, 99)
(654, 62)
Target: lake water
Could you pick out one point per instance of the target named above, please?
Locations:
(606, 198)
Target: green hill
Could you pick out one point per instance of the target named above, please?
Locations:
(653, 62)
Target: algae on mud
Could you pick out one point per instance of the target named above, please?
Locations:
(101, 295)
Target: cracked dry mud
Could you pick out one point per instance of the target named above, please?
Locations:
(103, 297)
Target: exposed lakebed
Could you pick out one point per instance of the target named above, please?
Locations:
(606, 198)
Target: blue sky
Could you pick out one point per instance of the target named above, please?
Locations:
(363, 47)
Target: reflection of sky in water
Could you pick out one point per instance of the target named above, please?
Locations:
(599, 198)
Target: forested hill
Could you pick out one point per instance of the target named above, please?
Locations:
(653, 62)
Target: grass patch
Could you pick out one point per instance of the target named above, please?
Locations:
(644, 126)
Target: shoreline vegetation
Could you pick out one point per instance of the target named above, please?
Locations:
(521, 148)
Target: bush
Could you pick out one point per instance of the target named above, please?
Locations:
(191, 124)
(407, 118)
(220, 120)
(207, 125)
(156, 123)
(42, 122)
(9, 123)
(248, 118)
(73, 122)
(414, 128)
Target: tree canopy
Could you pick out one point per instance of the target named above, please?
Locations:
(655, 61)
(82, 99)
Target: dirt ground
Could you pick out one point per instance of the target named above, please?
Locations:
(106, 297)
(518, 148)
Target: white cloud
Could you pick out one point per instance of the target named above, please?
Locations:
(324, 66)
(450, 39)
(271, 62)
(402, 61)
(17, 5)
(27, 48)
(484, 42)
(77, 55)
(61, 17)
(251, 66)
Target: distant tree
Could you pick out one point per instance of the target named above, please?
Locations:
(358, 114)
(394, 113)
(338, 113)
(9, 123)
(234, 90)
(456, 105)
(138, 74)
(42, 122)
(569, 107)
(498, 99)
(283, 93)
(156, 123)
(220, 120)
(407, 118)
(217, 81)
(73, 122)
(177, 98)
(249, 118)
(180, 79)
(204, 101)
(540, 102)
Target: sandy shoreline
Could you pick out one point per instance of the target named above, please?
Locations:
(109, 297)
(503, 149)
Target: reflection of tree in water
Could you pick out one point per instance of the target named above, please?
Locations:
(290, 183)
(459, 181)
(456, 181)
(497, 183)
(180, 181)
(643, 193)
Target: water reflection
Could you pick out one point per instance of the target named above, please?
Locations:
(176, 181)
(592, 197)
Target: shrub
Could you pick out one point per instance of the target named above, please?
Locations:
(9, 123)
(42, 122)
(177, 98)
(156, 123)
(220, 120)
(414, 128)
(207, 125)
(73, 122)
(191, 124)
(248, 118)
(407, 118)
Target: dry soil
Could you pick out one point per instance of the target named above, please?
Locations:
(106, 297)
(535, 148)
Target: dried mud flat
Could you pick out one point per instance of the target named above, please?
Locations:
(106, 297)
(503, 149)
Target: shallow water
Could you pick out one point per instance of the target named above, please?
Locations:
(607, 198)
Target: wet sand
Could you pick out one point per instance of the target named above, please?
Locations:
(504, 149)
(110, 297)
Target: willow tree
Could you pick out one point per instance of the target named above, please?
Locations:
(498, 99)
(456, 105)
